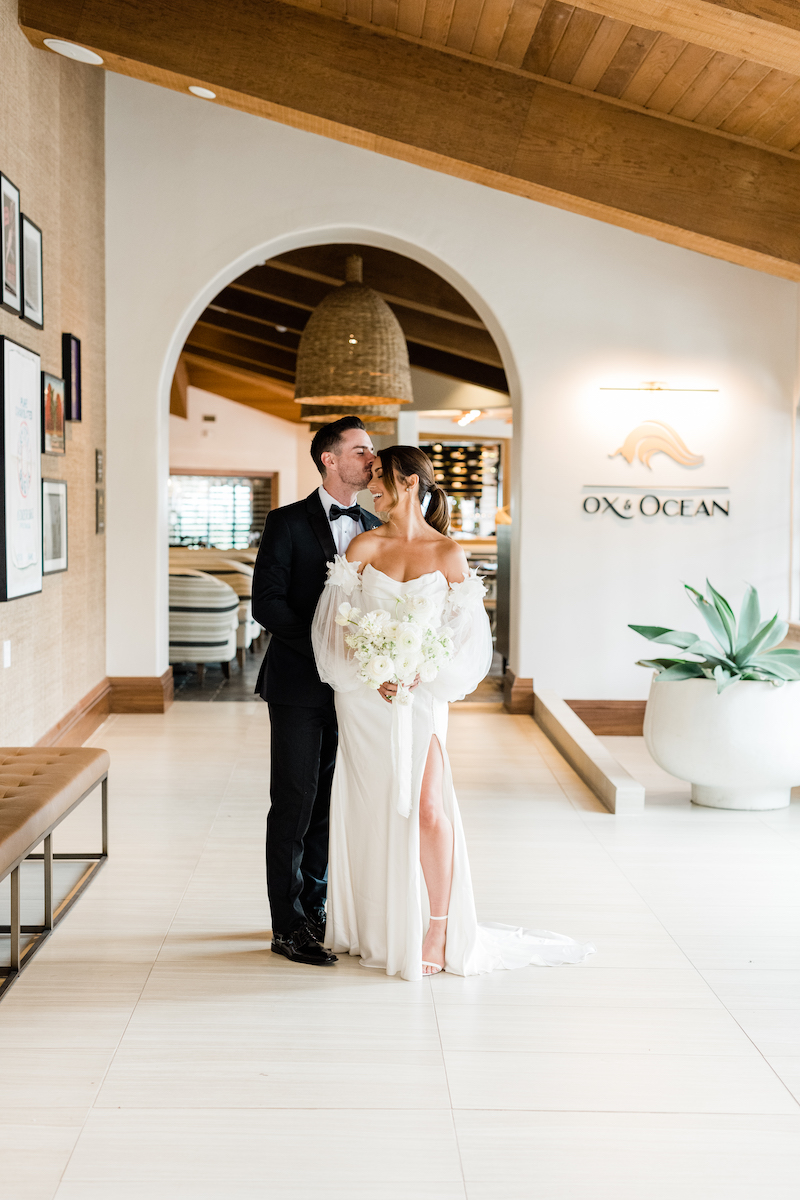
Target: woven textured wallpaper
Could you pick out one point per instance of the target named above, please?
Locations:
(51, 147)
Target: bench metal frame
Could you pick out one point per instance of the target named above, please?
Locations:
(22, 955)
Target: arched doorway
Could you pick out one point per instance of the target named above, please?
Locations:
(242, 349)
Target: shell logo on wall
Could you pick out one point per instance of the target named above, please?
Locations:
(654, 437)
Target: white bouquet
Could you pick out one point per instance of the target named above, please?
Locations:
(396, 649)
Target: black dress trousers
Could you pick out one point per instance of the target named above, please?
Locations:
(303, 754)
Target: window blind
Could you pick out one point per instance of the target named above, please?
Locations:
(226, 512)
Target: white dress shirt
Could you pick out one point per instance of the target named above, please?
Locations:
(344, 529)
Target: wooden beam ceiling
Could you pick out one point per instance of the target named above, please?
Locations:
(764, 31)
(545, 100)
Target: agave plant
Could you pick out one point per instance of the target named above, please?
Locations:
(742, 651)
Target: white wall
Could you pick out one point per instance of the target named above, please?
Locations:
(570, 302)
(238, 439)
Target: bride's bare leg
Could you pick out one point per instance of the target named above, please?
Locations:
(435, 853)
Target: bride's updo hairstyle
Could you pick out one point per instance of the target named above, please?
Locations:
(397, 464)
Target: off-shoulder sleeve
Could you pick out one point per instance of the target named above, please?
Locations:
(335, 662)
(466, 621)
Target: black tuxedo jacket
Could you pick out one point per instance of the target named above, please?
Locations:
(288, 579)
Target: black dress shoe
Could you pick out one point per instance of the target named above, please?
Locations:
(316, 925)
(301, 946)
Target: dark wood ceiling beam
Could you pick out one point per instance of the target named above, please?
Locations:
(241, 386)
(533, 137)
(454, 367)
(302, 288)
(198, 358)
(254, 331)
(397, 279)
(765, 31)
(241, 351)
(261, 309)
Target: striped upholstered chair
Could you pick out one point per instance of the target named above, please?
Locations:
(203, 619)
(237, 575)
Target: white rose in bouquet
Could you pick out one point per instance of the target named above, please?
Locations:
(418, 609)
(406, 665)
(408, 636)
(379, 669)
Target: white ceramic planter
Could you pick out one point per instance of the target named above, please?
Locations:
(740, 749)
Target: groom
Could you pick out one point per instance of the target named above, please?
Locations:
(290, 571)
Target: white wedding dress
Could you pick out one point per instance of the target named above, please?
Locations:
(377, 904)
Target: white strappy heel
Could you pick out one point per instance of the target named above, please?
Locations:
(439, 966)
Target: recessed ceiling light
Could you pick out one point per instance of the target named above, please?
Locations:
(70, 50)
(281, 329)
(203, 93)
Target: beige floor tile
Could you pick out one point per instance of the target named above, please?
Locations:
(66, 1078)
(616, 1083)
(756, 989)
(739, 953)
(704, 1031)
(33, 1159)
(775, 1031)
(285, 983)
(262, 1024)
(581, 985)
(788, 1070)
(354, 1189)
(628, 1156)
(300, 1148)
(154, 1077)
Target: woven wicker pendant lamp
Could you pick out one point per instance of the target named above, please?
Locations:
(353, 358)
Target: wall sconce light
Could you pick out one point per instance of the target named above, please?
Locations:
(655, 385)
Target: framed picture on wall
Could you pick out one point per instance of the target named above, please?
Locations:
(53, 429)
(10, 274)
(32, 284)
(71, 370)
(21, 465)
(54, 526)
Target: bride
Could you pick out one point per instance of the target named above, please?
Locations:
(394, 819)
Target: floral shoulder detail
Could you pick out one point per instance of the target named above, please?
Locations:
(467, 594)
(343, 574)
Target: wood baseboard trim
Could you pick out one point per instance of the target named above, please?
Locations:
(82, 719)
(517, 694)
(611, 718)
(142, 693)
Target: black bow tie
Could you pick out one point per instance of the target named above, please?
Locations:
(336, 512)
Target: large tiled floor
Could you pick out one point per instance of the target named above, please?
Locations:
(157, 1050)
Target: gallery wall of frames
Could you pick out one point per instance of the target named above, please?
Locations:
(52, 386)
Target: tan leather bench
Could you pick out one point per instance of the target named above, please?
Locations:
(38, 788)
